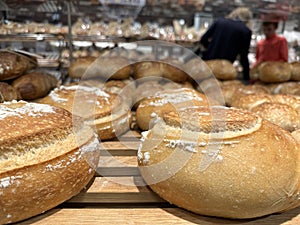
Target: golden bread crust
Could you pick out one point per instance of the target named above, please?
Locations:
(13, 64)
(153, 107)
(46, 158)
(274, 72)
(98, 108)
(227, 174)
(222, 69)
(35, 85)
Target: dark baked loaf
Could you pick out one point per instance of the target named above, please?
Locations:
(35, 85)
(8, 92)
(13, 64)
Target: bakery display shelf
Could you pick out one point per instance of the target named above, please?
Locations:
(96, 38)
(109, 199)
(29, 37)
(49, 59)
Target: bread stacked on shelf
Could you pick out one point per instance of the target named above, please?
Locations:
(168, 68)
(13, 64)
(47, 156)
(197, 153)
(106, 112)
(106, 30)
(20, 79)
(222, 69)
(276, 72)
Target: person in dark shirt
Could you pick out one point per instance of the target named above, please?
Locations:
(228, 38)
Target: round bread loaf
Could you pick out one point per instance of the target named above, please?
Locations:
(222, 69)
(13, 64)
(169, 68)
(46, 158)
(228, 88)
(289, 100)
(9, 92)
(221, 162)
(280, 114)
(249, 101)
(105, 112)
(290, 87)
(274, 72)
(211, 88)
(295, 71)
(197, 69)
(113, 67)
(234, 93)
(150, 87)
(147, 69)
(106, 67)
(79, 66)
(173, 70)
(35, 85)
(123, 88)
(153, 107)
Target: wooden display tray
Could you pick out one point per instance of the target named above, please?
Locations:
(107, 200)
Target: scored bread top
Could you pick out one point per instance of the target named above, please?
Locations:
(217, 119)
(176, 96)
(84, 101)
(32, 132)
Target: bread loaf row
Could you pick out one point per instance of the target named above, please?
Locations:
(276, 72)
(120, 67)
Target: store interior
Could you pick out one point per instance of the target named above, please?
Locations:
(93, 24)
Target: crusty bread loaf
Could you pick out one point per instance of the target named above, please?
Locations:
(237, 93)
(13, 64)
(211, 87)
(34, 85)
(221, 162)
(113, 67)
(168, 68)
(123, 88)
(105, 112)
(280, 114)
(250, 100)
(151, 86)
(153, 107)
(9, 92)
(274, 72)
(289, 100)
(106, 67)
(79, 66)
(173, 70)
(222, 69)
(290, 87)
(46, 158)
(295, 71)
(197, 69)
(147, 69)
(228, 88)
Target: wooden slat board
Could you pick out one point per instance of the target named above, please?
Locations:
(118, 195)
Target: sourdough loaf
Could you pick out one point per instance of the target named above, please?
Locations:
(35, 85)
(46, 157)
(221, 162)
(105, 112)
(13, 64)
(153, 107)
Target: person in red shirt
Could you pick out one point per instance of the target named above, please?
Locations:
(273, 47)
